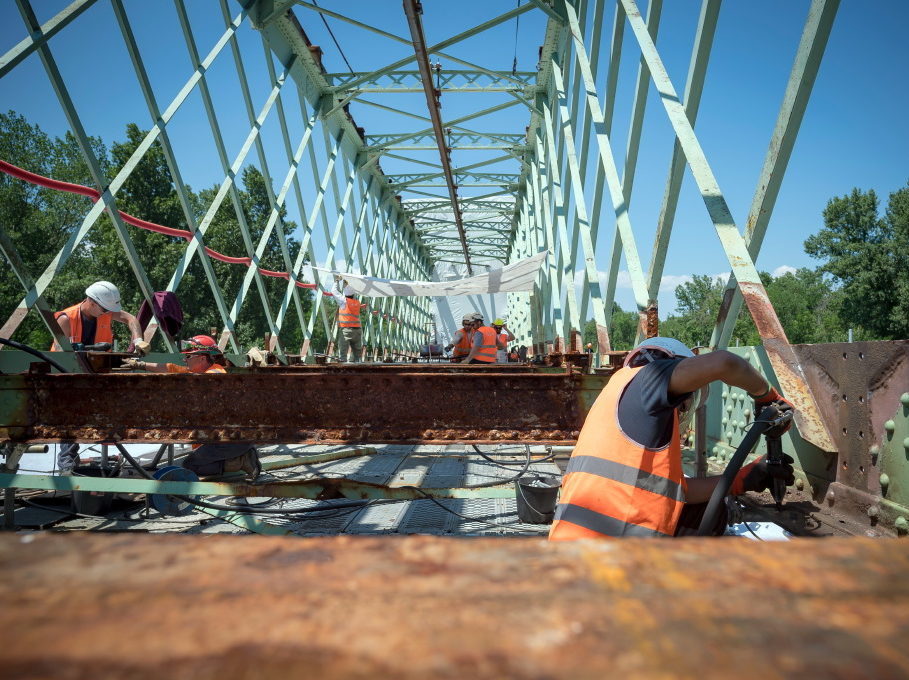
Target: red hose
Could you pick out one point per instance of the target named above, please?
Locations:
(95, 195)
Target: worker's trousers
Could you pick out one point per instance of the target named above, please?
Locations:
(351, 338)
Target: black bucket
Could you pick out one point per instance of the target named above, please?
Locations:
(91, 502)
(536, 496)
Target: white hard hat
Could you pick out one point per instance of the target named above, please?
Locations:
(477, 316)
(105, 294)
(668, 346)
(348, 291)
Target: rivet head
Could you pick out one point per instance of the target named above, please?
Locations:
(729, 435)
(904, 398)
(873, 511)
(800, 484)
(725, 422)
(906, 443)
(725, 394)
(831, 496)
(874, 450)
(747, 413)
(885, 480)
(890, 426)
(715, 450)
(901, 525)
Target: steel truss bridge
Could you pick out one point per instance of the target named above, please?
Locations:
(463, 191)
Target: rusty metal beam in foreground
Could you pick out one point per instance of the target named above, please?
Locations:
(426, 607)
(298, 406)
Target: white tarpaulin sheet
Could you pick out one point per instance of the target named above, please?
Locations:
(513, 278)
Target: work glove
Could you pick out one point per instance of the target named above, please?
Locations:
(141, 347)
(134, 363)
(758, 475)
(783, 406)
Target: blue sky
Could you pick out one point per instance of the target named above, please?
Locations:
(853, 135)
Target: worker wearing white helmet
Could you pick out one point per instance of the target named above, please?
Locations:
(89, 322)
(625, 476)
(462, 340)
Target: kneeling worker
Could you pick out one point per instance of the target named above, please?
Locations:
(204, 356)
(625, 476)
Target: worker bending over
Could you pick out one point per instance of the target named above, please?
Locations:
(203, 355)
(89, 322)
(462, 339)
(350, 331)
(484, 344)
(625, 477)
(505, 336)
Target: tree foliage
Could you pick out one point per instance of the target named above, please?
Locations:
(39, 221)
(867, 256)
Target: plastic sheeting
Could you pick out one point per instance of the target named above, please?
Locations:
(513, 278)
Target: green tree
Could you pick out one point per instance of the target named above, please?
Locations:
(624, 327)
(868, 257)
(39, 221)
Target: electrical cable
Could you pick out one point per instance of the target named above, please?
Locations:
(334, 39)
(517, 24)
(252, 510)
(33, 352)
(505, 463)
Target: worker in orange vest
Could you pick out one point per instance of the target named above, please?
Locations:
(89, 322)
(625, 477)
(350, 330)
(505, 336)
(484, 344)
(203, 355)
(461, 341)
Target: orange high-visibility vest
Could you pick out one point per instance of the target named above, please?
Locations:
(462, 346)
(349, 313)
(180, 368)
(103, 332)
(614, 486)
(487, 351)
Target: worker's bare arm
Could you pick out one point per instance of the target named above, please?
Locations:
(63, 322)
(132, 322)
(694, 372)
(700, 488)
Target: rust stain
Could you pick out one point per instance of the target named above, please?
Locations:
(304, 406)
(443, 608)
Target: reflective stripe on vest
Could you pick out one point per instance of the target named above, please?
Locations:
(103, 332)
(614, 486)
(462, 346)
(487, 351)
(349, 314)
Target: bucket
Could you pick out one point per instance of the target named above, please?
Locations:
(536, 496)
(91, 502)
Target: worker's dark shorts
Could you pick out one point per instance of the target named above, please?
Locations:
(691, 516)
(483, 363)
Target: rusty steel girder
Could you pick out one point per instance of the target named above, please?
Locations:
(307, 405)
(232, 607)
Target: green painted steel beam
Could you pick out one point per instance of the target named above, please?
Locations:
(795, 101)
(694, 87)
(309, 488)
(39, 36)
(782, 357)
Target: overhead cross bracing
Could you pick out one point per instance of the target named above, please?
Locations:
(354, 180)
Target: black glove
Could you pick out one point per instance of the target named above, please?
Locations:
(757, 476)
